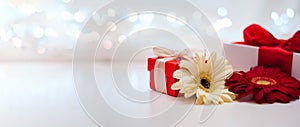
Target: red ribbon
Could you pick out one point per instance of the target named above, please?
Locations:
(272, 51)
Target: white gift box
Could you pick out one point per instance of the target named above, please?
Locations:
(243, 57)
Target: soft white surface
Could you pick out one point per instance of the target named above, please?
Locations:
(39, 95)
(42, 94)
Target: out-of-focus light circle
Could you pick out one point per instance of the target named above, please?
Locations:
(38, 32)
(278, 22)
(17, 42)
(2, 34)
(146, 18)
(98, 18)
(222, 11)
(6, 36)
(41, 50)
(284, 18)
(111, 12)
(28, 8)
(79, 17)
(66, 1)
(290, 12)
(171, 17)
(107, 44)
(133, 18)
(222, 23)
(274, 16)
(50, 32)
(122, 38)
(66, 15)
(227, 22)
(19, 29)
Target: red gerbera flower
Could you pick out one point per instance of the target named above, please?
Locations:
(267, 85)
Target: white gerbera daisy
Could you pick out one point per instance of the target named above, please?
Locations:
(205, 78)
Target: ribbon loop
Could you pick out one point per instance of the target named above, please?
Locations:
(256, 35)
(175, 54)
(293, 44)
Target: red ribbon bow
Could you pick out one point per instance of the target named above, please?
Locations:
(272, 51)
(258, 36)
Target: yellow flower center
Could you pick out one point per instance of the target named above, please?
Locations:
(204, 82)
(263, 81)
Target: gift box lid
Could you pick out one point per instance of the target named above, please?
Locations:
(170, 66)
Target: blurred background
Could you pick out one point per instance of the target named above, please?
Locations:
(48, 29)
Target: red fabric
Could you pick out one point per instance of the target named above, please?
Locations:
(275, 57)
(272, 52)
(170, 67)
(257, 36)
(293, 44)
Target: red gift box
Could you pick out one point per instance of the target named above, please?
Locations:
(260, 47)
(166, 79)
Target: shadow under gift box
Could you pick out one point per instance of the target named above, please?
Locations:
(161, 77)
(242, 57)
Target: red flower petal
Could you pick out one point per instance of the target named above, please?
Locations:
(288, 91)
(259, 97)
(280, 97)
(269, 98)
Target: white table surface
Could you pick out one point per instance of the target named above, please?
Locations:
(42, 94)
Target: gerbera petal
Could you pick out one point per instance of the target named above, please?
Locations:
(190, 66)
(200, 93)
(189, 93)
(189, 87)
(206, 100)
(181, 73)
(288, 91)
(220, 83)
(199, 100)
(200, 61)
(188, 80)
(240, 89)
(222, 76)
(178, 74)
(177, 85)
(226, 98)
(280, 97)
(215, 99)
(270, 98)
(230, 94)
(220, 65)
(291, 85)
(212, 63)
(259, 96)
(218, 90)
